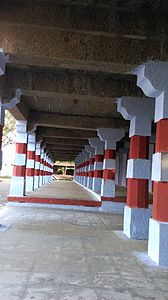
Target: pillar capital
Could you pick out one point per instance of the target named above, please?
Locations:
(140, 111)
(97, 144)
(85, 154)
(90, 150)
(152, 79)
(110, 136)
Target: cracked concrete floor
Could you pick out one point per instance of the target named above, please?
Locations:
(49, 254)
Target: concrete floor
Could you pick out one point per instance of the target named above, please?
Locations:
(50, 254)
(63, 190)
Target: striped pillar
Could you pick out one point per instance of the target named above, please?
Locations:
(37, 166)
(77, 167)
(91, 152)
(98, 164)
(110, 137)
(50, 169)
(85, 167)
(81, 168)
(152, 78)
(30, 164)
(41, 167)
(44, 168)
(140, 111)
(17, 186)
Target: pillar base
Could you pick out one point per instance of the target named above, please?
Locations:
(136, 222)
(36, 182)
(97, 185)
(158, 242)
(113, 207)
(108, 188)
(29, 183)
(90, 183)
(17, 186)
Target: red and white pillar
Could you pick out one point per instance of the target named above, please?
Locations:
(78, 162)
(30, 164)
(50, 169)
(37, 166)
(91, 152)
(98, 164)
(152, 78)
(110, 137)
(86, 166)
(41, 167)
(17, 186)
(81, 168)
(140, 111)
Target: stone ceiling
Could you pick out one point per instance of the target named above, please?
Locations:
(72, 59)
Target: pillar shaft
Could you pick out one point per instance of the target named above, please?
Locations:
(140, 112)
(37, 166)
(160, 187)
(137, 188)
(17, 187)
(30, 164)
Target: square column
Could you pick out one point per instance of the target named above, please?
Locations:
(91, 152)
(85, 167)
(140, 112)
(152, 78)
(30, 164)
(41, 167)
(98, 164)
(17, 187)
(37, 166)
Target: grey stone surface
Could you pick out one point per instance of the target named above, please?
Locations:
(50, 254)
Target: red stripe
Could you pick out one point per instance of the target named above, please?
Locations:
(30, 154)
(161, 139)
(36, 172)
(114, 199)
(29, 172)
(99, 158)
(137, 193)
(160, 201)
(92, 160)
(109, 174)
(21, 148)
(109, 154)
(76, 202)
(139, 147)
(98, 173)
(37, 158)
(19, 171)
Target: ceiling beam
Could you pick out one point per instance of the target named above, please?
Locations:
(75, 122)
(64, 133)
(67, 142)
(64, 147)
(50, 83)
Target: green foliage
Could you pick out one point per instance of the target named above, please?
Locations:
(9, 129)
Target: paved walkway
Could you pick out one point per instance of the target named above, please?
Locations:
(63, 190)
(50, 254)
